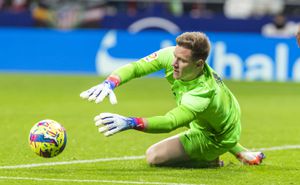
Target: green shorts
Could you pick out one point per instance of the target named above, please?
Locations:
(199, 147)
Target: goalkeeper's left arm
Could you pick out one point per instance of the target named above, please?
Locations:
(110, 124)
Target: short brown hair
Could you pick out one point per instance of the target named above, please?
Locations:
(198, 42)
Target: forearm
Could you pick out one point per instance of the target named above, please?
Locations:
(110, 124)
(178, 117)
(136, 70)
(124, 73)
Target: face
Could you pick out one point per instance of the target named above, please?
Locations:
(279, 21)
(184, 67)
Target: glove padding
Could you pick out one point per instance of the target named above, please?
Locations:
(99, 92)
(110, 124)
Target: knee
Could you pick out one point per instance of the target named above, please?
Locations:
(153, 157)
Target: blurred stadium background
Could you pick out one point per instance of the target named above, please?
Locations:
(51, 50)
(96, 36)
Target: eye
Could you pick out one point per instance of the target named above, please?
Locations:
(184, 61)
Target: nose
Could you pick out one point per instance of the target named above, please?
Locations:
(175, 63)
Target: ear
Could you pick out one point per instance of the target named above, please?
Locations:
(200, 63)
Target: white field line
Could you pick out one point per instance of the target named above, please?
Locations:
(285, 147)
(125, 158)
(90, 180)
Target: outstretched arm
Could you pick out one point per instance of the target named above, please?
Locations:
(152, 63)
(110, 124)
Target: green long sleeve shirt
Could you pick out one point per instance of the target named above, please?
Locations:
(204, 103)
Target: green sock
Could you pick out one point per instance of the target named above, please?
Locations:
(237, 148)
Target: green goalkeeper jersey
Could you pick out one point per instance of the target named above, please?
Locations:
(204, 103)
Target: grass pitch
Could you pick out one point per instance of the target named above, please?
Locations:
(270, 118)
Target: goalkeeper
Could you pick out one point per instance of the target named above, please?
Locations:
(204, 104)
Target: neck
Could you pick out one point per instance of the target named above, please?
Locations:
(192, 77)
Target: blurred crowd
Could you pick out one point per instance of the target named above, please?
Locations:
(66, 14)
(74, 13)
(14, 5)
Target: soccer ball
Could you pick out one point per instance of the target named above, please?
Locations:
(47, 138)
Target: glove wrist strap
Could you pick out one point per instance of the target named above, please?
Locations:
(138, 124)
(113, 81)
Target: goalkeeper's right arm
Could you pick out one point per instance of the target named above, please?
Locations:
(144, 66)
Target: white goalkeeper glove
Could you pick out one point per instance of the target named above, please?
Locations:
(110, 124)
(99, 92)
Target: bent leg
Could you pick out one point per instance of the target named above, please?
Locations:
(167, 151)
(170, 152)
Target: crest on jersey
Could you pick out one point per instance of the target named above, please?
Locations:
(151, 57)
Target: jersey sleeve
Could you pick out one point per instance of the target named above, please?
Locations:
(149, 64)
(192, 103)
(177, 117)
